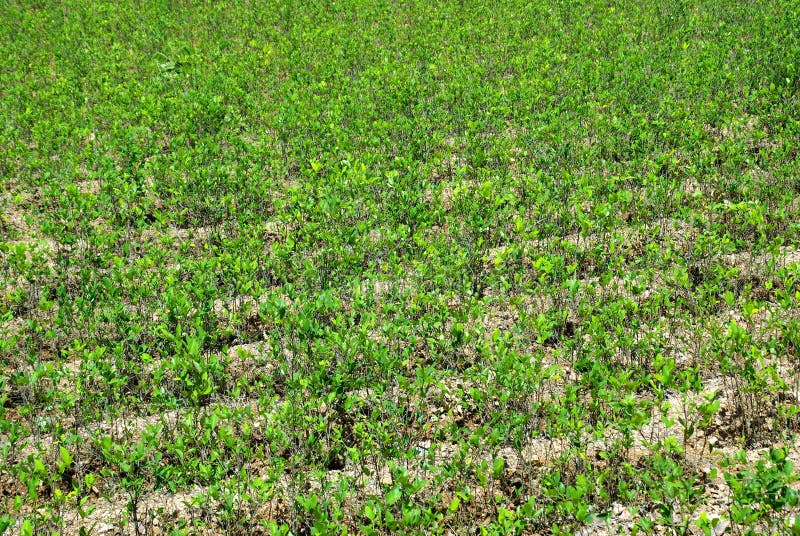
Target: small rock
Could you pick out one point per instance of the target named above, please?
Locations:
(104, 529)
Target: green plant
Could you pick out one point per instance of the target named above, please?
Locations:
(538, 259)
(761, 494)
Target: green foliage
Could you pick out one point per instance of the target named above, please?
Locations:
(398, 267)
(764, 492)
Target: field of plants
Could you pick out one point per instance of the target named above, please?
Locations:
(399, 267)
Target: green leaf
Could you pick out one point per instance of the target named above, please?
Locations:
(454, 504)
(498, 466)
(393, 495)
(66, 457)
